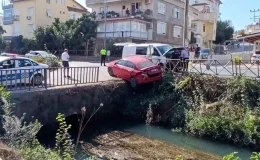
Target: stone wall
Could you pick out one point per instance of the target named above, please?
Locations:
(46, 105)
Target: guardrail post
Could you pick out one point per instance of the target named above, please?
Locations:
(98, 74)
(45, 78)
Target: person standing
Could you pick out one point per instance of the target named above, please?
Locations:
(103, 54)
(185, 59)
(65, 62)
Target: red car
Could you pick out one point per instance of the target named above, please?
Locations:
(136, 70)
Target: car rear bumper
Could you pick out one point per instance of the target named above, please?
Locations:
(143, 80)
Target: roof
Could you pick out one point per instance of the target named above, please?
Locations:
(148, 44)
(84, 8)
(76, 9)
(123, 44)
(251, 38)
(136, 59)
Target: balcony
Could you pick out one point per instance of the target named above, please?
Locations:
(124, 34)
(210, 17)
(123, 14)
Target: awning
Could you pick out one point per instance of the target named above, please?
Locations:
(251, 38)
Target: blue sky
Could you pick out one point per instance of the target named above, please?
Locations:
(238, 11)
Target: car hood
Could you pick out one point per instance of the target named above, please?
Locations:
(43, 65)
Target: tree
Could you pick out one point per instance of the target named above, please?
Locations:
(72, 34)
(241, 32)
(224, 32)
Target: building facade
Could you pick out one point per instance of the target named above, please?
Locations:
(205, 25)
(21, 17)
(140, 20)
(253, 28)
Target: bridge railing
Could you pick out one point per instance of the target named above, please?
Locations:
(214, 67)
(20, 79)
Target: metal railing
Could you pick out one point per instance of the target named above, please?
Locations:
(20, 79)
(214, 67)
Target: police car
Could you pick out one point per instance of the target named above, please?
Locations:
(15, 70)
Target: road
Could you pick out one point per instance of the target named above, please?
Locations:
(84, 76)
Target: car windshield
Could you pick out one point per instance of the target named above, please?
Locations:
(43, 53)
(164, 48)
(145, 64)
(205, 50)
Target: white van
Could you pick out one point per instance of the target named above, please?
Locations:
(154, 51)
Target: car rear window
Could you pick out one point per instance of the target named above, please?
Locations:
(257, 52)
(145, 64)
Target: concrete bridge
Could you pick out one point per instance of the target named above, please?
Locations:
(45, 105)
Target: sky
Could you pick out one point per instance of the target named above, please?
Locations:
(238, 11)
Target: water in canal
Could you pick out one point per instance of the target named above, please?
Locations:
(179, 139)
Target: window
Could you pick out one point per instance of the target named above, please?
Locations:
(34, 64)
(49, 13)
(161, 28)
(48, 1)
(16, 30)
(145, 64)
(55, 1)
(8, 64)
(30, 11)
(164, 48)
(204, 28)
(31, 28)
(141, 50)
(121, 62)
(63, 2)
(176, 13)
(129, 64)
(155, 52)
(177, 31)
(24, 63)
(161, 8)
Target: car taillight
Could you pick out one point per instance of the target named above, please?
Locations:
(144, 75)
(253, 56)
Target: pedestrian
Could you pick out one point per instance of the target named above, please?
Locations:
(185, 59)
(103, 54)
(65, 62)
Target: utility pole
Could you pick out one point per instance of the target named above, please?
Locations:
(105, 16)
(186, 23)
(256, 18)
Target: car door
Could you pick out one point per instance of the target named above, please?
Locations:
(7, 73)
(26, 70)
(156, 57)
(128, 70)
(118, 68)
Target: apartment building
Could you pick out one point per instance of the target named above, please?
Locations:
(205, 24)
(140, 20)
(21, 17)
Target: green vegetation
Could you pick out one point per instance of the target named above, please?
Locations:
(224, 31)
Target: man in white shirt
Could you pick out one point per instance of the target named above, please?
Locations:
(185, 59)
(65, 62)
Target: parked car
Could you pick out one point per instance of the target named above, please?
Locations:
(10, 54)
(204, 53)
(255, 57)
(20, 70)
(136, 70)
(42, 54)
(153, 51)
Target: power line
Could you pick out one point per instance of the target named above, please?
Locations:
(256, 17)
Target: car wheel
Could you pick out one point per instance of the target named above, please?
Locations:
(37, 80)
(110, 72)
(133, 83)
